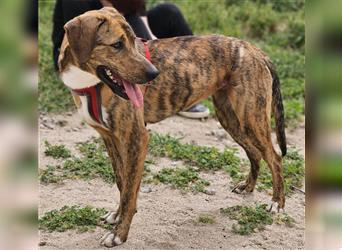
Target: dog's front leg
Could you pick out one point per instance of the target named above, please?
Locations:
(127, 149)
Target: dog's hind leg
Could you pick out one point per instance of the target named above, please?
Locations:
(230, 122)
(127, 148)
(245, 114)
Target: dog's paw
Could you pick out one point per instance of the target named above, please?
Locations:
(241, 187)
(110, 240)
(111, 218)
(274, 206)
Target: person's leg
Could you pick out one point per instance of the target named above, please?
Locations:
(138, 26)
(165, 21)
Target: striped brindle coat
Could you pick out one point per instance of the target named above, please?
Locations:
(99, 46)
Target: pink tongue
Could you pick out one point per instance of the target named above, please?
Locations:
(134, 94)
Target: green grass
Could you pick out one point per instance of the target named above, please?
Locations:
(210, 158)
(94, 162)
(74, 217)
(183, 178)
(206, 158)
(275, 26)
(249, 219)
(206, 219)
(53, 95)
(49, 175)
(284, 219)
(56, 151)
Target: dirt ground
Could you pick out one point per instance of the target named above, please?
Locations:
(166, 218)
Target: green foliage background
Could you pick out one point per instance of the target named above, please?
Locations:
(278, 27)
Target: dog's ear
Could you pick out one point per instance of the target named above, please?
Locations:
(62, 58)
(81, 33)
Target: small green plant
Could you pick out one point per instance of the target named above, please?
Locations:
(74, 217)
(48, 175)
(206, 219)
(56, 151)
(284, 219)
(182, 178)
(93, 163)
(249, 219)
(206, 158)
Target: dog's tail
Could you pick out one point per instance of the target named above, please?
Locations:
(278, 109)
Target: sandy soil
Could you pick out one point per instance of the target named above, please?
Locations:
(166, 218)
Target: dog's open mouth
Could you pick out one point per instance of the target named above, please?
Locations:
(120, 86)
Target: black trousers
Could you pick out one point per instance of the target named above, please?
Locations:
(165, 20)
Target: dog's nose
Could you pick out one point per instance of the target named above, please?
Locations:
(152, 73)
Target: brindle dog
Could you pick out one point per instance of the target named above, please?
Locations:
(240, 78)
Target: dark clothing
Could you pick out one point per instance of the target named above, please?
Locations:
(165, 20)
(31, 19)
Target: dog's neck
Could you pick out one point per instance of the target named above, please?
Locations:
(75, 78)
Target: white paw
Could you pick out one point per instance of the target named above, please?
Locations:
(105, 216)
(107, 240)
(109, 218)
(110, 240)
(273, 206)
(117, 219)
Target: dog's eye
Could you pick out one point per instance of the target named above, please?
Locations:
(117, 45)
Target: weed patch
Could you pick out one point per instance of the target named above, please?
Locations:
(206, 219)
(284, 219)
(249, 219)
(56, 151)
(183, 178)
(74, 217)
(210, 158)
(206, 158)
(49, 175)
(93, 163)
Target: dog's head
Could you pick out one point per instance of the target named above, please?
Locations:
(104, 44)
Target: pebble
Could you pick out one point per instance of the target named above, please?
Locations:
(210, 191)
(61, 123)
(145, 189)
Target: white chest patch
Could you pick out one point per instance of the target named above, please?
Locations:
(76, 78)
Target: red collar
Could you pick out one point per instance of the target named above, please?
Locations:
(147, 55)
(93, 95)
(147, 51)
